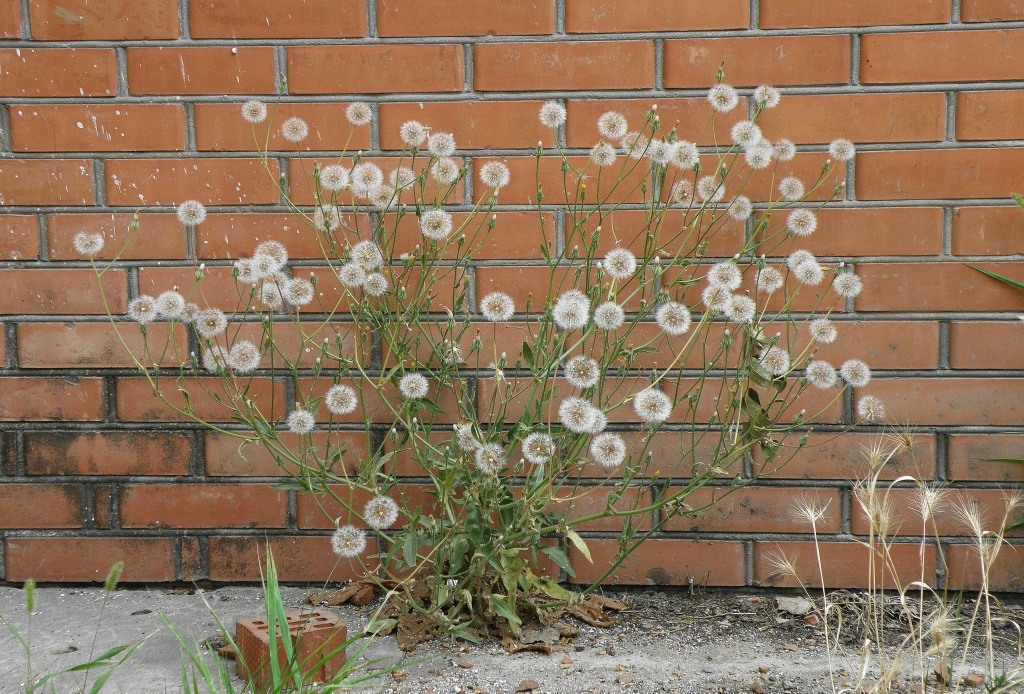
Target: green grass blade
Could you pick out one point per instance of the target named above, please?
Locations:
(996, 276)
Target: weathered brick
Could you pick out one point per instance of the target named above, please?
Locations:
(81, 20)
(563, 65)
(77, 72)
(136, 401)
(223, 457)
(93, 345)
(19, 237)
(939, 173)
(97, 128)
(72, 399)
(844, 564)
(220, 128)
(46, 182)
(992, 115)
(475, 124)
(206, 70)
(752, 61)
(846, 233)
(936, 287)
(991, 11)
(264, 19)
(964, 572)
(107, 453)
(777, 14)
(89, 559)
(159, 235)
(951, 400)
(617, 16)
(691, 117)
(368, 69)
(988, 231)
(769, 510)
(471, 18)
(298, 559)
(202, 506)
(41, 506)
(972, 457)
(34, 291)
(664, 563)
(172, 181)
(10, 20)
(982, 345)
(941, 56)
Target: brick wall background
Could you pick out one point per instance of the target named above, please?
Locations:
(110, 106)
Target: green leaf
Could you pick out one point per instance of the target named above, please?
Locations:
(1005, 460)
(528, 353)
(557, 555)
(579, 544)
(500, 607)
(1019, 199)
(996, 276)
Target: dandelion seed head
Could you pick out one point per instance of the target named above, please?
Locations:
(759, 156)
(88, 244)
(619, 263)
(686, 156)
(661, 152)
(784, 150)
(609, 316)
(497, 307)
(774, 361)
(767, 97)
(298, 291)
(402, 177)
(769, 280)
(820, 374)
(142, 309)
(170, 305)
(723, 98)
(871, 409)
(348, 542)
(244, 357)
(215, 359)
(352, 275)
(572, 310)
(603, 154)
(538, 448)
(365, 178)
(367, 255)
(436, 224)
(802, 222)
(334, 178)
(599, 423)
(741, 208)
(823, 331)
(576, 414)
(210, 323)
(740, 309)
(359, 113)
(495, 175)
(441, 145)
(552, 114)
(855, 372)
(413, 386)
(446, 171)
(191, 213)
(582, 372)
(791, 188)
(809, 272)
(254, 111)
(612, 125)
(710, 189)
(300, 422)
(673, 318)
(725, 274)
(382, 196)
(746, 133)
(375, 284)
(842, 150)
(716, 298)
(682, 192)
(847, 285)
(294, 129)
(652, 405)
(380, 512)
(326, 218)
(798, 256)
(413, 133)
(635, 144)
(489, 458)
(341, 399)
(608, 450)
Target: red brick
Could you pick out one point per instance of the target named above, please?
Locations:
(88, 559)
(107, 453)
(988, 231)
(776, 14)
(77, 72)
(939, 173)
(202, 506)
(10, 20)
(98, 128)
(992, 10)
(265, 19)
(951, 400)
(303, 192)
(136, 401)
(132, 182)
(377, 398)
(994, 115)
(475, 124)
(516, 235)
(523, 186)
(298, 559)
(101, 507)
(941, 56)
(843, 457)
(590, 501)
(692, 117)
(92, 345)
(46, 182)
(191, 559)
(43, 399)
(870, 231)
(563, 65)
(632, 228)
(375, 69)
(614, 16)
(81, 20)
(220, 128)
(323, 511)
(207, 70)
(230, 236)
(41, 506)
(73, 292)
(969, 457)
(159, 236)
(844, 564)
(944, 520)
(867, 118)
(964, 569)
(470, 18)
(982, 345)
(937, 287)
(19, 237)
(663, 563)
(223, 456)
(217, 288)
(768, 510)
(883, 344)
(752, 61)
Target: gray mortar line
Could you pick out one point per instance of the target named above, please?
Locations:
(183, 23)
(371, 19)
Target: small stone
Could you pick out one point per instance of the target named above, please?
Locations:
(790, 647)
(794, 606)
(566, 660)
(756, 600)
(625, 678)
(756, 688)
(942, 673)
(763, 669)
(812, 620)
(973, 680)
(527, 686)
(465, 664)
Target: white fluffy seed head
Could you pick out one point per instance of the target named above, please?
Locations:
(619, 263)
(367, 255)
(294, 129)
(576, 415)
(254, 111)
(740, 309)
(210, 323)
(497, 306)
(572, 310)
(446, 171)
(413, 386)
(823, 331)
(769, 280)
(608, 450)
(244, 357)
(603, 154)
(298, 291)
(88, 244)
(352, 275)
(652, 406)
(871, 409)
(376, 284)
(191, 213)
(716, 298)
(741, 208)
(774, 361)
(725, 274)
(686, 156)
(745, 133)
(552, 114)
(784, 150)
(723, 98)
(809, 272)
(582, 372)
(402, 177)
(855, 372)
(847, 285)
(820, 374)
(489, 458)
(359, 113)
(609, 316)
(170, 305)
(348, 542)
(767, 97)
(495, 175)
(710, 189)
(538, 448)
(842, 150)
(380, 512)
(759, 156)
(142, 309)
(300, 422)
(413, 133)
(334, 178)
(682, 192)
(365, 178)
(436, 224)
(661, 152)
(802, 222)
(341, 399)
(441, 145)
(791, 188)
(673, 318)
(612, 125)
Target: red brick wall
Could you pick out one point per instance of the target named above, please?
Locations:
(110, 106)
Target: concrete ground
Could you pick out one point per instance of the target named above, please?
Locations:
(666, 642)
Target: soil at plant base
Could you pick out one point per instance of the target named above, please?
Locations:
(666, 641)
